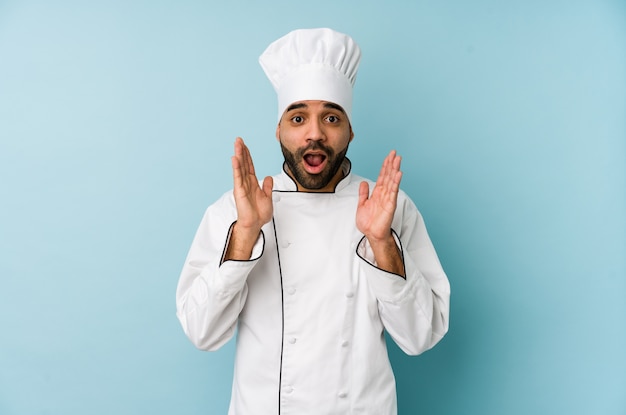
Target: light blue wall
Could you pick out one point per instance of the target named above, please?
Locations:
(116, 127)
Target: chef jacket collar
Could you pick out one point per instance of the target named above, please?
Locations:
(288, 184)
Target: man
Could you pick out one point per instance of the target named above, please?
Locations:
(309, 266)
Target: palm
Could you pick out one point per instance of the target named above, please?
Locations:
(254, 203)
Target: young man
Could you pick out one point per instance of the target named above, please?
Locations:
(314, 264)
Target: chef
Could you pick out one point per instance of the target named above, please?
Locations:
(311, 266)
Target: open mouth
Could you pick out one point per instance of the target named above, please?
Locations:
(314, 162)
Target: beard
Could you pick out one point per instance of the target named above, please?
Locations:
(307, 180)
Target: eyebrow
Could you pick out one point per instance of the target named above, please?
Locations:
(299, 105)
(334, 106)
(296, 106)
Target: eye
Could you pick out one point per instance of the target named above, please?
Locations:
(332, 119)
(298, 119)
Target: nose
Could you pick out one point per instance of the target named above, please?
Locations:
(316, 131)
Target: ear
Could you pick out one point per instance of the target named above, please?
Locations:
(351, 134)
(278, 131)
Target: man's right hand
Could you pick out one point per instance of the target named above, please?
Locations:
(254, 204)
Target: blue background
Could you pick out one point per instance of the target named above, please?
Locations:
(116, 127)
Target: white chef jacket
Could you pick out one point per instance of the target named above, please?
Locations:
(310, 306)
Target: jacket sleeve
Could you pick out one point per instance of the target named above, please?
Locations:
(414, 311)
(211, 292)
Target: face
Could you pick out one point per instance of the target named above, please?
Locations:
(314, 137)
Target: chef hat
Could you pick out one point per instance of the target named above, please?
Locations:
(312, 64)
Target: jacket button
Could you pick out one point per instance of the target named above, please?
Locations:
(343, 394)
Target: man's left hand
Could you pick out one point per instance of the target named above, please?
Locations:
(374, 214)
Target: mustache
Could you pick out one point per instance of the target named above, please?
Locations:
(316, 145)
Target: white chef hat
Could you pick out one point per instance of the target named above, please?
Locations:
(312, 64)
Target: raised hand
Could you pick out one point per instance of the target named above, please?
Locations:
(253, 202)
(375, 213)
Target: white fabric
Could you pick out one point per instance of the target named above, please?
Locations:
(310, 306)
(312, 64)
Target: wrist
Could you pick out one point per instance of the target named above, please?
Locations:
(381, 241)
(245, 233)
(387, 254)
(241, 242)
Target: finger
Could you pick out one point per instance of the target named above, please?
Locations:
(387, 169)
(393, 176)
(244, 156)
(364, 190)
(391, 195)
(239, 145)
(248, 160)
(240, 163)
(240, 154)
(383, 172)
(393, 165)
(396, 173)
(237, 174)
(398, 179)
(268, 184)
(388, 161)
(397, 162)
